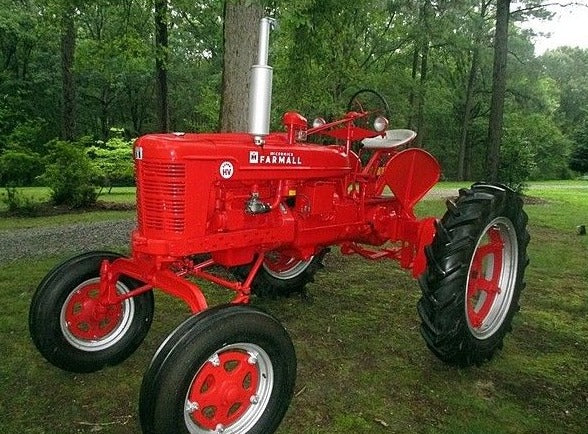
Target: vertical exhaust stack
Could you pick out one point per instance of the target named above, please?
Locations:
(260, 86)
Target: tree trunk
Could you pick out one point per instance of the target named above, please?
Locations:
(68, 46)
(161, 63)
(420, 125)
(421, 53)
(411, 98)
(240, 37)
(467, 115)
(498, 89)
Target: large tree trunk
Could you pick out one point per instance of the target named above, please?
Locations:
(420, 125)
(420, 63)
(68, 46)
(416, 55)
(467, 116)
(498, 89)
(240, 37)
(161, 63)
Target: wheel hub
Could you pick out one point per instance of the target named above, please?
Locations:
(90, 325)
(224, 390)
(87, 318)
(491, 278)
(230, 390)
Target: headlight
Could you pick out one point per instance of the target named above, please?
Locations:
(380, 124)
(318, 122)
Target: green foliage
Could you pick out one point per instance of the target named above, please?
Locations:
(18, 203)
(112, 161)
(69, 175)
(417, 53)
(19, 167)
(579, 157)
(543, 150)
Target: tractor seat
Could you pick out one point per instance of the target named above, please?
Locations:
(392, 139)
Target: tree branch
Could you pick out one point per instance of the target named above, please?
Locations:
(539, 6)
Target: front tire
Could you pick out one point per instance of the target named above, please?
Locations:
(474, 276)
(73, 330)
(229, 369)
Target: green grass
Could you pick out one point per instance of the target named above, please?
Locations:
(362, 365)
(43, 194)
(119, 195)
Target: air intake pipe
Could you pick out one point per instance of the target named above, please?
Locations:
(260, 86)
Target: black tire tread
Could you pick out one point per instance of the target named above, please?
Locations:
(442, 305)
(46, 303)
(194, 339)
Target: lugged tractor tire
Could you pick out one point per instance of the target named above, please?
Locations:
(475, 275)
(72, 331)
(280, 275)
(227, 369)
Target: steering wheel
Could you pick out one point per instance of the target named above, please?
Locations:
(368, 100)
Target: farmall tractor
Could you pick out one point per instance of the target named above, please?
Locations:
(265, 207)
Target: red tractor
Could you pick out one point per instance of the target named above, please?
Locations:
(265, 207)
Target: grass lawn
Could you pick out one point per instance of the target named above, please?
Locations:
(362, 365)
(118, 195)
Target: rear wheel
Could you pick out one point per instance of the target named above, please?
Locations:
(73, 329)
(474, 277)
(282, 274)
(230, 369)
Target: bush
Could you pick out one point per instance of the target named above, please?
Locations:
(19, 167)
(579, 158)
(113, 162)
(516, 164)
(19, 204)
(69, 175)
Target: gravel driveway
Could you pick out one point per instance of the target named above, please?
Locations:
(79, 237)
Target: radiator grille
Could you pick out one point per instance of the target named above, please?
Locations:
(161, 196)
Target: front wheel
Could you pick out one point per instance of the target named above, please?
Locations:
(230, 369)
(474, 276)
(70, 326)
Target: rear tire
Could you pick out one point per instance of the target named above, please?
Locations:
(281, 275)
(70, 327)
(229, 367)
(474, 275)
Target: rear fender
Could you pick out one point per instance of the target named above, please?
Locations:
(410, 174)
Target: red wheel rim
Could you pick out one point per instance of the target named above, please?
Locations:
(484, 277)
(230, 390)
(87, 318)
(90, 325)
(283, 266)
(491, 278)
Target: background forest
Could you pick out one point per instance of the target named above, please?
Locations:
(100, 73)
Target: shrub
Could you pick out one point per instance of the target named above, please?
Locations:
(579, 158)
(516, 164)
(113, 162)
(69, 175)
(18, 203)
(19, 167)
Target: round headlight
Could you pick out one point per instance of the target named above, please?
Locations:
(318, 122)
(380, 124)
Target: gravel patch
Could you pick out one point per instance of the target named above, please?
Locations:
(75, 238)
